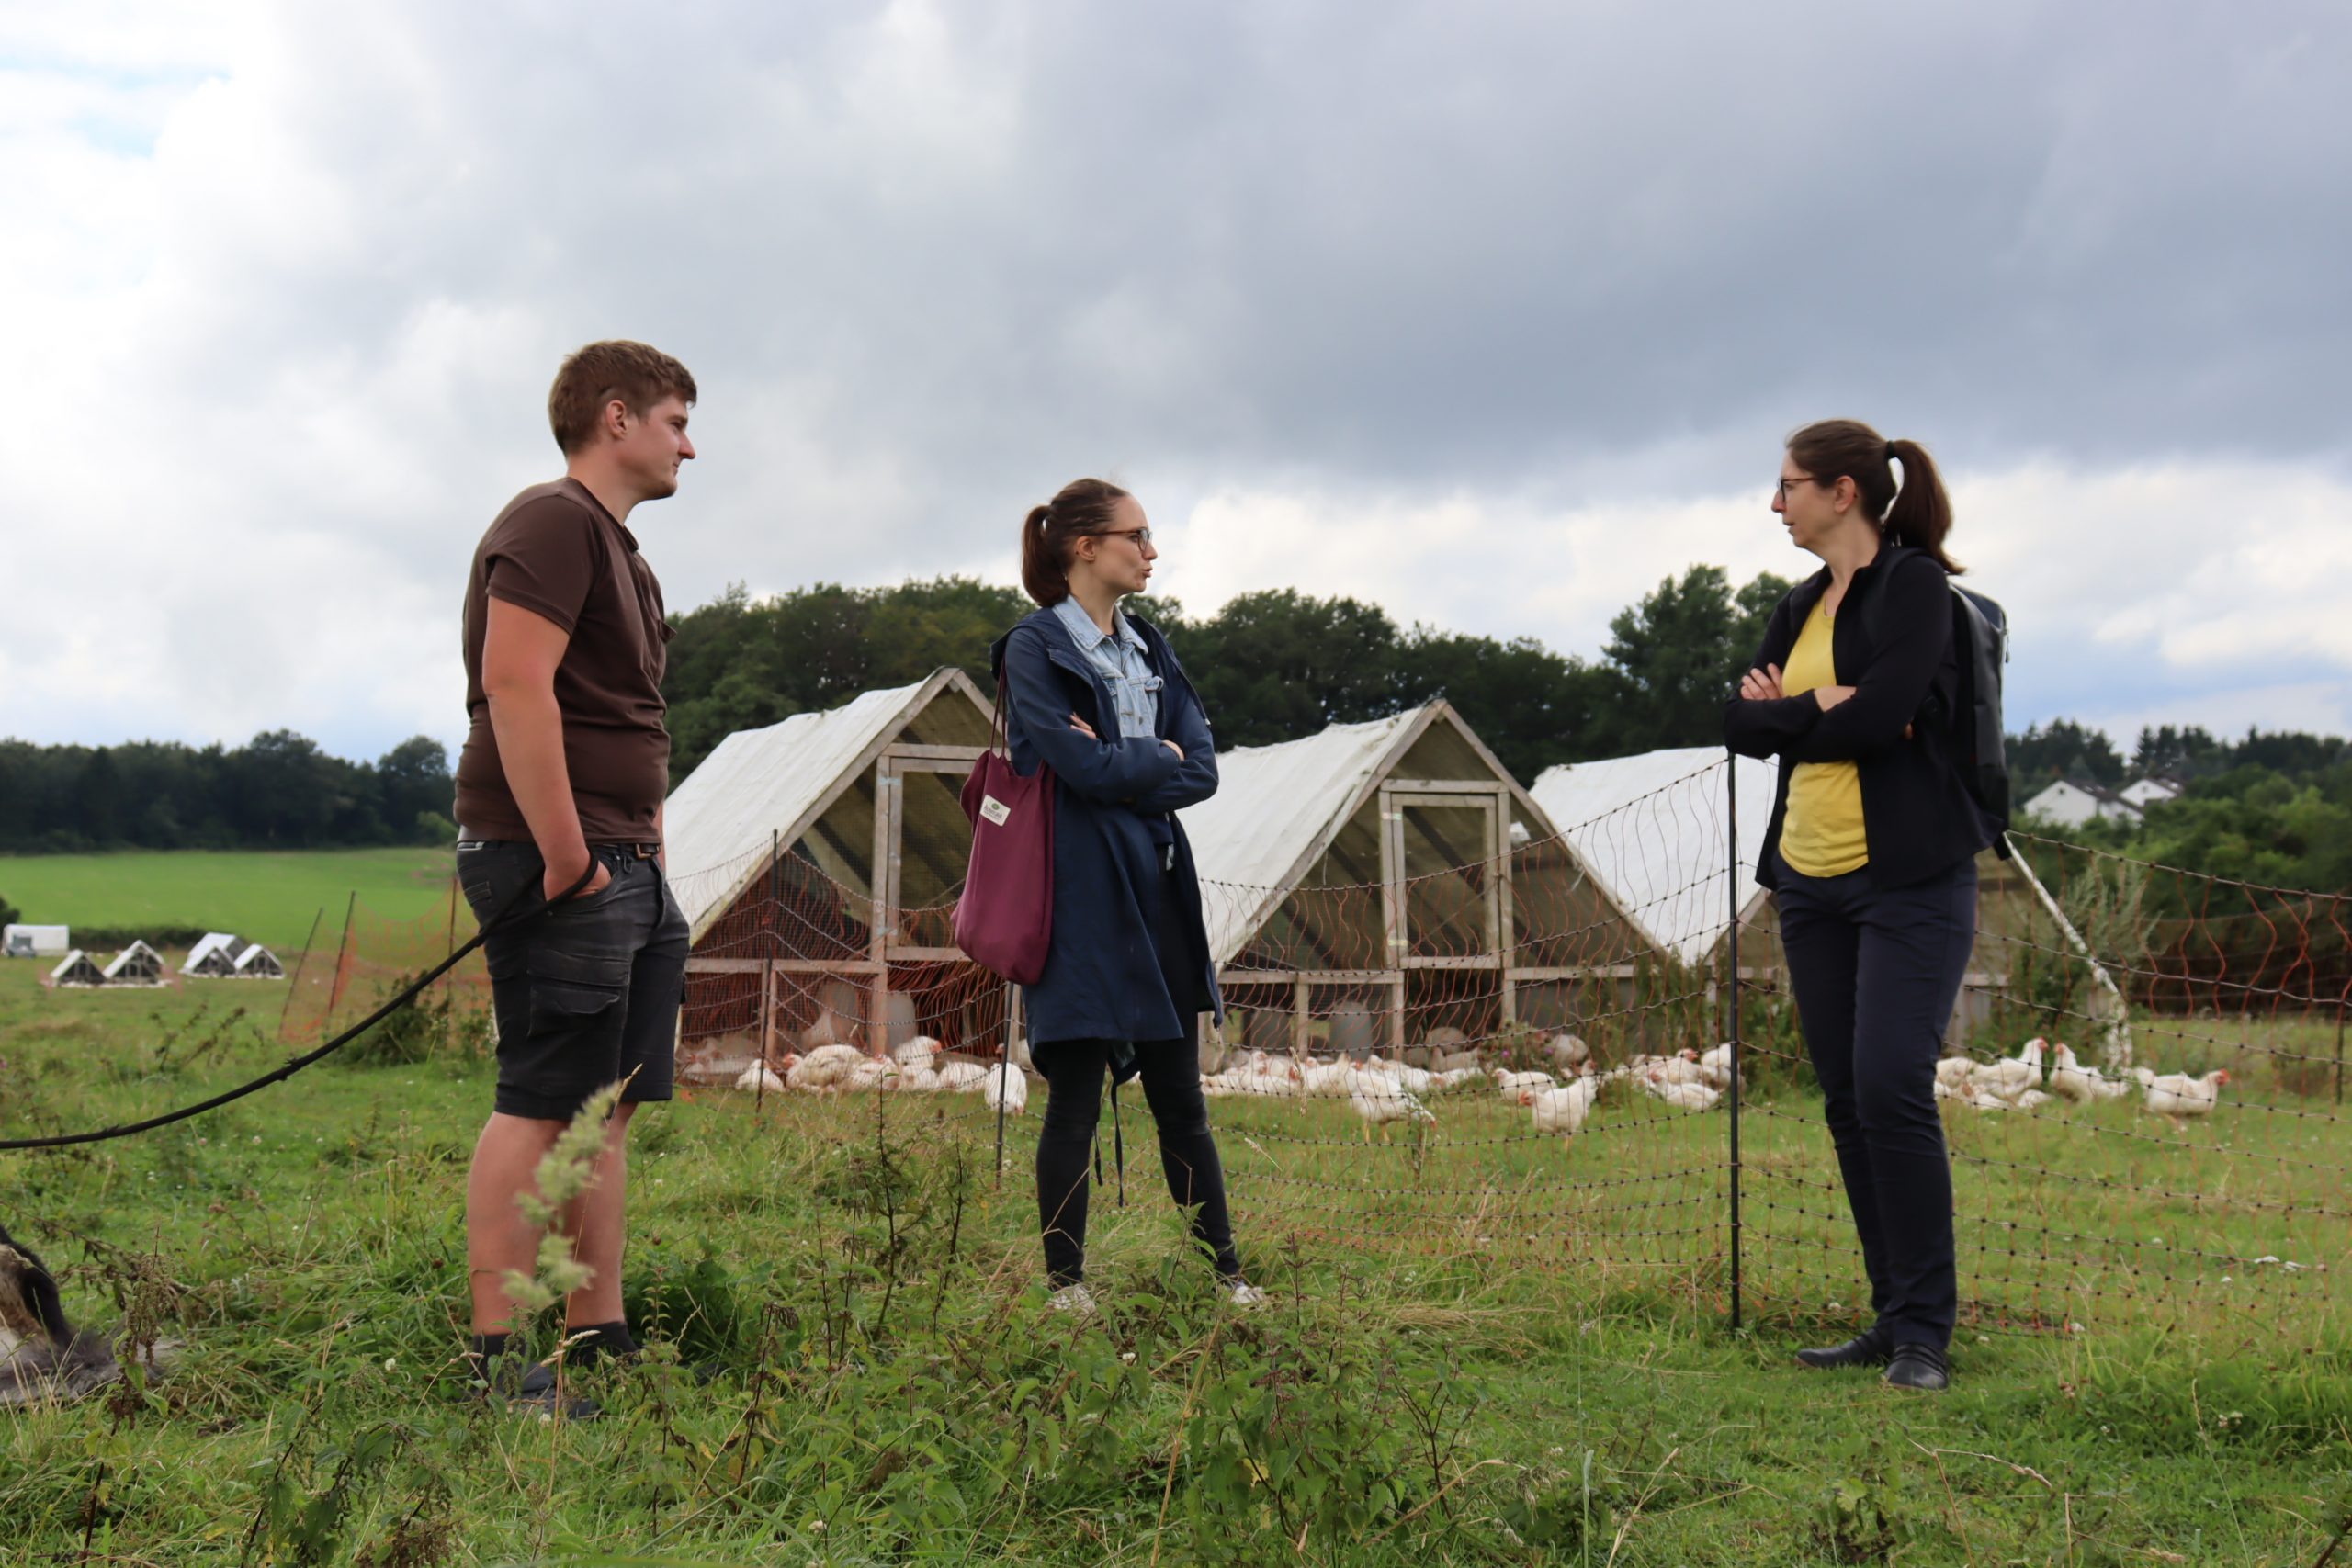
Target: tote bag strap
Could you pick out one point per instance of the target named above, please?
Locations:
(1000, 732)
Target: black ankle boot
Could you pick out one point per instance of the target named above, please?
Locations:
(1921, 1366)
(1871, 1347)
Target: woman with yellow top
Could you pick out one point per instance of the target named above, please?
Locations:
(1872, 855)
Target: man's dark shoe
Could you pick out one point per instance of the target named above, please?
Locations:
(1871, 1348)
(1921, 1366)
(526, 1388)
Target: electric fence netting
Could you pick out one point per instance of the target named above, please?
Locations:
(2143, 1095)
(1457, 1032)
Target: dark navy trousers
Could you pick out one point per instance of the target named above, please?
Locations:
(1876, 973)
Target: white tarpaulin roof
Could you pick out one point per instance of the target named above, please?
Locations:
(258, 960)
(76, 969)
(1274, 805)
(759, 782)
(137, 956)
(204, 948)
(1656, 837)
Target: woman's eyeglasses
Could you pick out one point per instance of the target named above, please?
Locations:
(1800, 480)
(1142, 536)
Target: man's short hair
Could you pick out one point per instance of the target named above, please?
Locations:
(639, 375)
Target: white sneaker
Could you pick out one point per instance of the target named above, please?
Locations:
(1072, 1298)
(1245, 1294)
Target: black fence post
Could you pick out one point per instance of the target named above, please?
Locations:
(1731, 996)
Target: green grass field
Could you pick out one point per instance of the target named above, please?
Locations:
(270, 899)
(1485, 1348)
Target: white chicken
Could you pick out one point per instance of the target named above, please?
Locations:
(1682, 1068)
(1009, 1089)
(1714, 1066)
(918, 1052)
(825, 1069)
(1266, 1076)
(1953, 1074)
(759, 1080)
(1563, 1111)
(2176, 1097)
(2011, 1076)
(1379, 1099)
(1685, 1096)
(1567, 1052)
(872, 1072)
(1510, 1084)
(1327, 1080)
(2072, 1081)
(1412, 1080)
(960, 1077)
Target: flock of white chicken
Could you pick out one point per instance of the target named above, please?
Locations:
(2018, 1083)
(1558, 1099)
(1380, 1091)
(921, 1065)
(1384, 1092)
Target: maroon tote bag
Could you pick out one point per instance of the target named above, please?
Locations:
(1004, 918)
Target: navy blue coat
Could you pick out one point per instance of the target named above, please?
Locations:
(1103, 978)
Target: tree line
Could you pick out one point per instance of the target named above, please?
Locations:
(2065, 750)
(2273, 809)
(1271, 666)
(278, 791)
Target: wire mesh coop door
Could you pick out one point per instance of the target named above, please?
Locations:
(1448, 903)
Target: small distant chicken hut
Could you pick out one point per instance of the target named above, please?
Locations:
(76, 969)
(220, 955)
(817, 863)
(1385, 883)
(138, 965)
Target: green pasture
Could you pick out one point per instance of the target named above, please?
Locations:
(1485, 1348)
(266, 897)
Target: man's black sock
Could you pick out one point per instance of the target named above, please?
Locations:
(486, 1345)
(603, 1340)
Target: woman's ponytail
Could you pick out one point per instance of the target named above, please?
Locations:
(1041, 574)
(1921, 514)
(1050, 532)
(1918, 513)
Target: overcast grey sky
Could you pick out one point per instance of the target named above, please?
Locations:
(1494, 313)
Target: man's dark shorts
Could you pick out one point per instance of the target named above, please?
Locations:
(586, 993)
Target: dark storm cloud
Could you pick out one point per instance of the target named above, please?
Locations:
(1474, 244)
(930, 260)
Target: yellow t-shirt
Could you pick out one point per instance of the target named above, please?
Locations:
(1821, 834)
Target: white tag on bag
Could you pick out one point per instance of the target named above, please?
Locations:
(994, 810)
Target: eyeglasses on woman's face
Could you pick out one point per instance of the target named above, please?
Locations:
(1788, 479)
(1142, 536)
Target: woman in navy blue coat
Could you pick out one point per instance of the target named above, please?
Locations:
(1097, 695)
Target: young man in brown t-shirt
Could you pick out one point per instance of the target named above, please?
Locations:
(562, 778)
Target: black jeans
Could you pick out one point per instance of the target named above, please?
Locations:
(1875, 973)
(1171, 1070)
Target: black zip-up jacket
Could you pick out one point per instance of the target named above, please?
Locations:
(1893, 643)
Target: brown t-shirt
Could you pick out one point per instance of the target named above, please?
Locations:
(556, 552)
